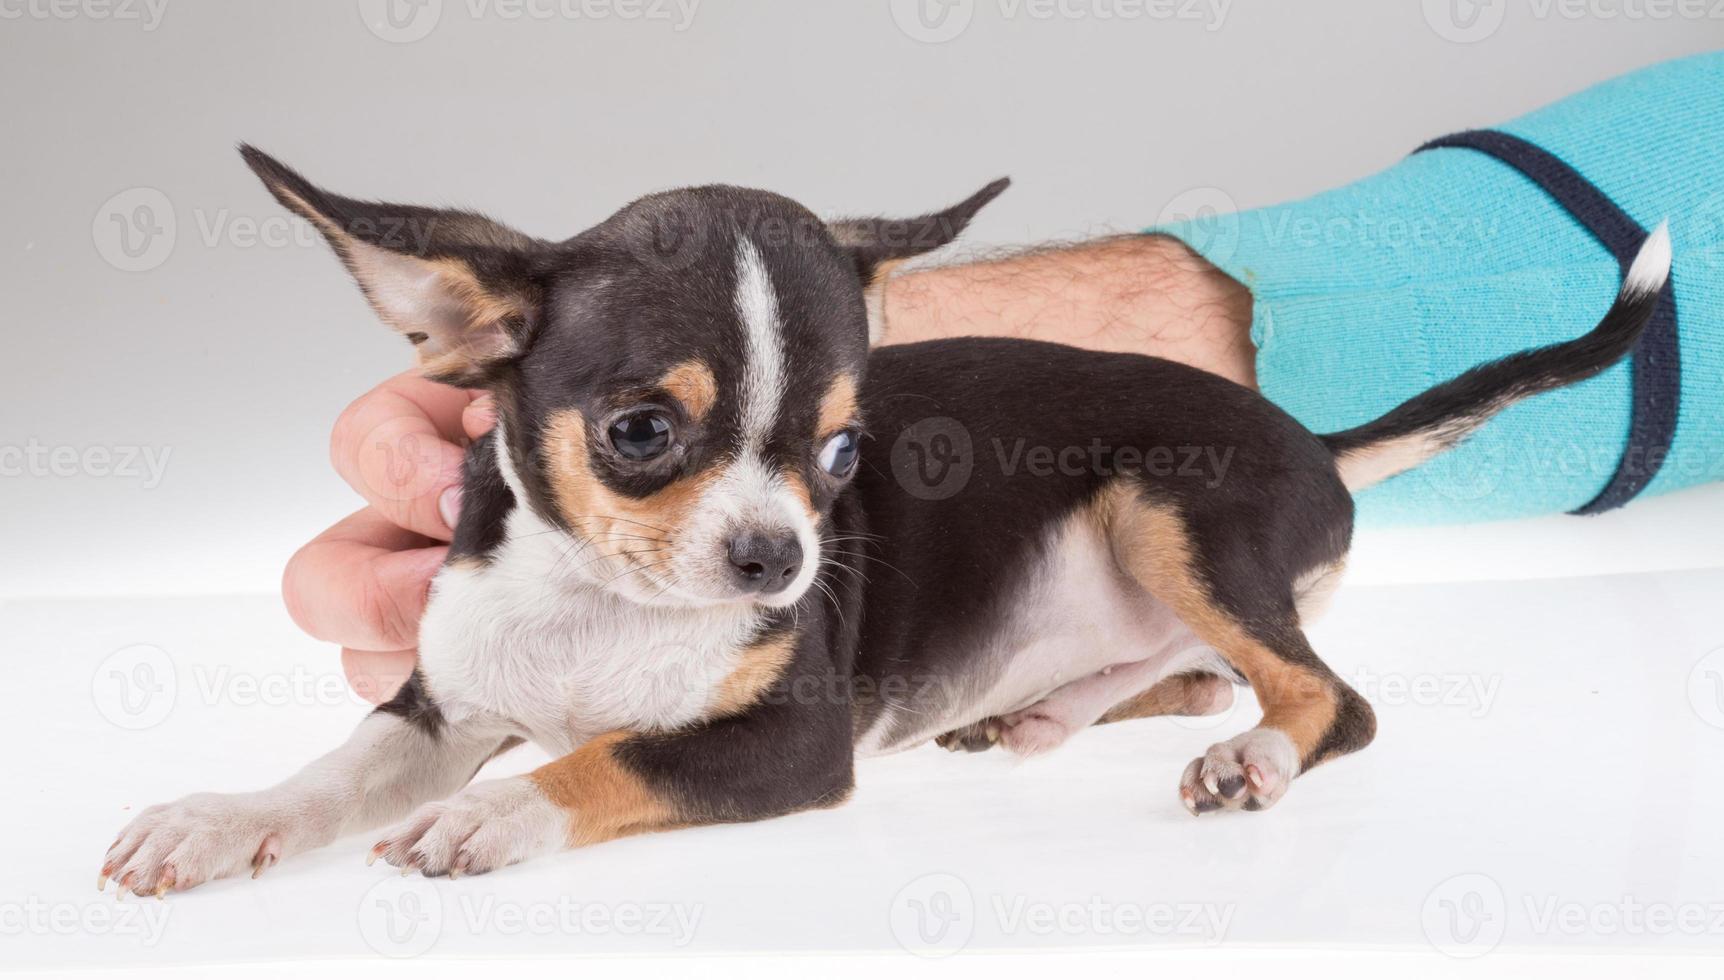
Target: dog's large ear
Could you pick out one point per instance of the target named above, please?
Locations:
(878, 245)
(458, 285)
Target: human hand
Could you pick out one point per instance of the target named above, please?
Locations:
(363, 583)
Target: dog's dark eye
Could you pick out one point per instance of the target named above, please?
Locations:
(838, 456)
(642, 436)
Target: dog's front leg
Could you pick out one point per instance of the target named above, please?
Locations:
(792, 751)
(390, 764)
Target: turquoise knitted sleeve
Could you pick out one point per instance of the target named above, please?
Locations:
(1367, 295)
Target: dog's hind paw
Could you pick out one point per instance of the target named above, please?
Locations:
(1247, 772)
(1028, 732)
(977, 736)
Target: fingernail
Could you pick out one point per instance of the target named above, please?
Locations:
(449, 506)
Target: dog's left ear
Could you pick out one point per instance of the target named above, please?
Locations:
(459, 286)
(878, 245)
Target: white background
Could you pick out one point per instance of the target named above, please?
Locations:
(232, 353)
(1587, 778)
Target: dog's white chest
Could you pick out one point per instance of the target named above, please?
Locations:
(565, 660)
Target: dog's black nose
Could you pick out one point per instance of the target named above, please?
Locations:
(765, 563)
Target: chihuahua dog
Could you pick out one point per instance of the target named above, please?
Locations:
(703, 558)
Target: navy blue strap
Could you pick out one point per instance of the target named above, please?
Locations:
(1657, 366)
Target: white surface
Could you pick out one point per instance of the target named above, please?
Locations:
(231, 348)
(1680, 530)
(1560, 739)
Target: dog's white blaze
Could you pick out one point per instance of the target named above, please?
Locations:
(752, 495)
(763, 375)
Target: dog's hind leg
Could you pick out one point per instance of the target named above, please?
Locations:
(1229, 590)
(401, 755)
(1191, 694)
(1114, 694)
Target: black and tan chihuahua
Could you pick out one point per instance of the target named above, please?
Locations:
(702, 559)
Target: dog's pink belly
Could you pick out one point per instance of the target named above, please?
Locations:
(1079, 616)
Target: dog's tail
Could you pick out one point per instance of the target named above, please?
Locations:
(1437, 420)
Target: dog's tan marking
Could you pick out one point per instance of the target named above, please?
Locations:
(874, 299)
(1181, 694)
(838, 407)
(798, 488)
(603, 798)
(760, 666)
(593, 508)
(455, 323)
(1152, 544)
(692, 384)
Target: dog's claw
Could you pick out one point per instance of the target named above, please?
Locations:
(102, 881)
(376, 852)
(267, 854)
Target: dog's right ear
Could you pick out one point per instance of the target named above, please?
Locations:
(458, 285)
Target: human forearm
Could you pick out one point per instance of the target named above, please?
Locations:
(1140, 294)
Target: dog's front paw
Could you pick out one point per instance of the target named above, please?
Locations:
(178, 845)
(482, 828)
(1247, 772)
